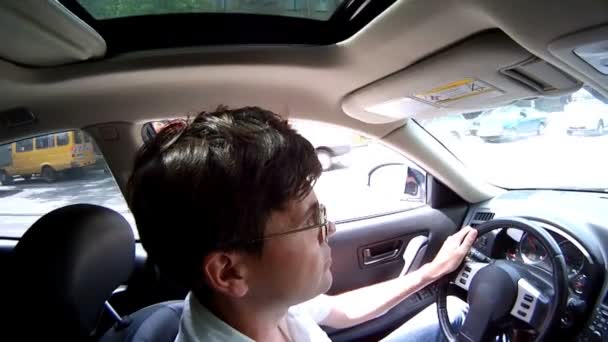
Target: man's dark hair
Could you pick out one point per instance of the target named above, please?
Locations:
(211, 184)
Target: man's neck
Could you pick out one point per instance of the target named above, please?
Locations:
(258, 322)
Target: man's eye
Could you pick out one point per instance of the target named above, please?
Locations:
(311, 220)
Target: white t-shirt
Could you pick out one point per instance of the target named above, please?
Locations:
(198, 324)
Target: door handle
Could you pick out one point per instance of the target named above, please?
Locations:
(369, 259)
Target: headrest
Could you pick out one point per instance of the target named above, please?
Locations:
(68, 264)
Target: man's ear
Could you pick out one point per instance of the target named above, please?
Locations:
(226, 273)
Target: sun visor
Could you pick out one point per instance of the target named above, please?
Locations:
(542, 77)
(586, 51)
(44, 33)
(485, 71)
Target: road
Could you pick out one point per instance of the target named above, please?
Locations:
(24, 202)
(552, 160)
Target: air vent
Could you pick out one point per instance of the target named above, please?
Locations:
(483, 216)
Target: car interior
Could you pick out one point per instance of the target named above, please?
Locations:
(378, 68)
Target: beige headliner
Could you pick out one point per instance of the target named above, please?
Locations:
(304, 81)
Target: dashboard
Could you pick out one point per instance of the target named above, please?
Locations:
(517, 246)
(578, 221)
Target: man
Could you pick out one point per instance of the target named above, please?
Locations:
(225, 205)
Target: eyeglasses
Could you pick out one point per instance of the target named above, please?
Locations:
(320, 222)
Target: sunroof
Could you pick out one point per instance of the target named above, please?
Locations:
(136, 25)
(309, 9)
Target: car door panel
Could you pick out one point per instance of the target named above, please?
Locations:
(419, 233)
(376, 329)
(381, 237)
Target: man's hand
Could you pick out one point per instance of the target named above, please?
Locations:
(453, 251)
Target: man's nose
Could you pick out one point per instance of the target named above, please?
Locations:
(332, 228)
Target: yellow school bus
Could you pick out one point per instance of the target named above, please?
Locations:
(47, 156)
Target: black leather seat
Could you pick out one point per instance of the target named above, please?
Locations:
(155, 323)
(63, 270)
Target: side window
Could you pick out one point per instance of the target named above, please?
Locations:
(30, 191)
(25, 145)
(45, 142)
(63, 139)
(361, 177)
(295, 5)
(322, 6)
(77, 137)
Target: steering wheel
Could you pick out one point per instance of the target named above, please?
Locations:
(503, 292)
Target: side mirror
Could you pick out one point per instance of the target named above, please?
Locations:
(398, 180)
(411, 187)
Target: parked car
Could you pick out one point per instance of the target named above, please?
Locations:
(329, 141)
(509, 122)
(586, 114)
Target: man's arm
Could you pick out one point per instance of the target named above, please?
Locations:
(360, 305)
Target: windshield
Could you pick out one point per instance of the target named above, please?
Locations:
(556, 143)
